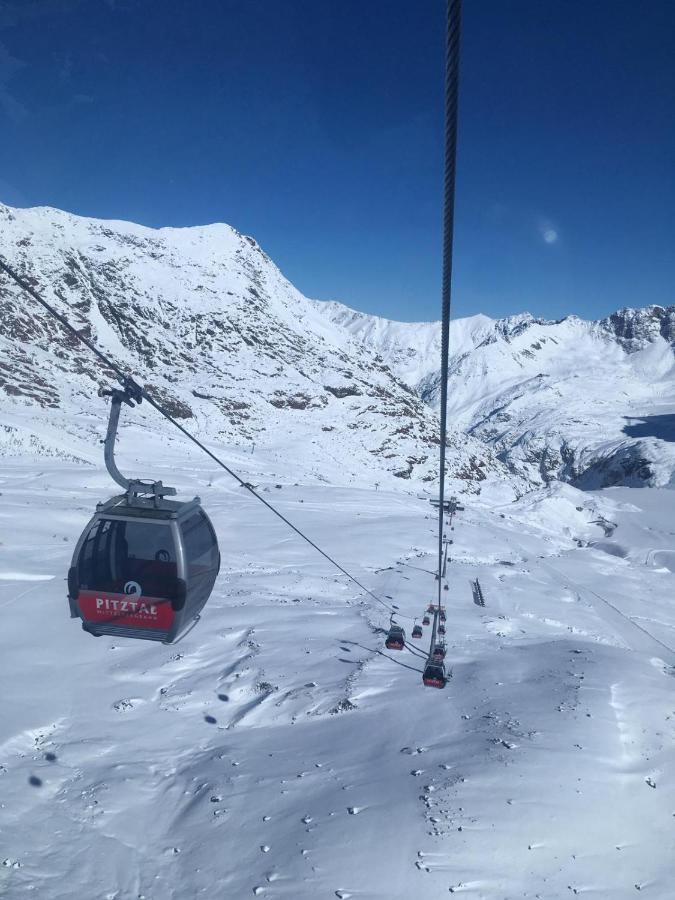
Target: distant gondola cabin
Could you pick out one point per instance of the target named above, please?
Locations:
(395, 638)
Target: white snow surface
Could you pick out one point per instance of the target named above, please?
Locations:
(277, 751)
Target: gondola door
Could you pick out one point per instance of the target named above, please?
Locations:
(126, 579)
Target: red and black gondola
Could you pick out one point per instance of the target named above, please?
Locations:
(395, 638)
(144, 566)
(434, 675)
(143, 570)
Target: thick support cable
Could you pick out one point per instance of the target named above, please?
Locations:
(451, 92)
(271, 508)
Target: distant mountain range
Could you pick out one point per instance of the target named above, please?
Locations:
(208, 323)
(592, 403)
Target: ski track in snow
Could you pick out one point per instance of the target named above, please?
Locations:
(23, 576)
(273, 753)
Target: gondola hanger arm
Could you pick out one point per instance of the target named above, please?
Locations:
(132, 395)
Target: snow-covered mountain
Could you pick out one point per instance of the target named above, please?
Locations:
(206, 320)
(209, 324)
(592, 403)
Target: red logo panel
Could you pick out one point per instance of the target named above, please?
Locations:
(126, 609)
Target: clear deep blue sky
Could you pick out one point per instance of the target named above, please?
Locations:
(316, 126)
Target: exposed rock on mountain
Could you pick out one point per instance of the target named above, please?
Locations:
(208, 323)
(205, 319)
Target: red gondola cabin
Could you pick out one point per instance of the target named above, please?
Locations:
(395, 638)
(434, 675)
(143, 570)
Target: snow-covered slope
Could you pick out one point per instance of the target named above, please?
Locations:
(589, 402)
(276, 752)
(411, 349)
(207, 321)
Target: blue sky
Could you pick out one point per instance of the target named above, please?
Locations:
(316, 126)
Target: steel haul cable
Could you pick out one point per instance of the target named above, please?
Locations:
(451, 91)
(125, 380)
(454, 10)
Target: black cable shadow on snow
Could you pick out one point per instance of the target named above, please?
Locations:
(386, 655)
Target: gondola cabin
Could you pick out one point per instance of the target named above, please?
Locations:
(395, 638)
(431, 609)
(426, 620)
(434, 675)
(143, 568)
(441, 628)
(439, 653)
(442, 615)
(417, 632)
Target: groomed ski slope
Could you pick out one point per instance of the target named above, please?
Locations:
(274, 752)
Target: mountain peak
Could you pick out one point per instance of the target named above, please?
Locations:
(635, 328)
(209, 324)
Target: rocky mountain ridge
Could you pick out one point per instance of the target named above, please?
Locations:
(209, 324)
(589, 402)
(206, 320)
